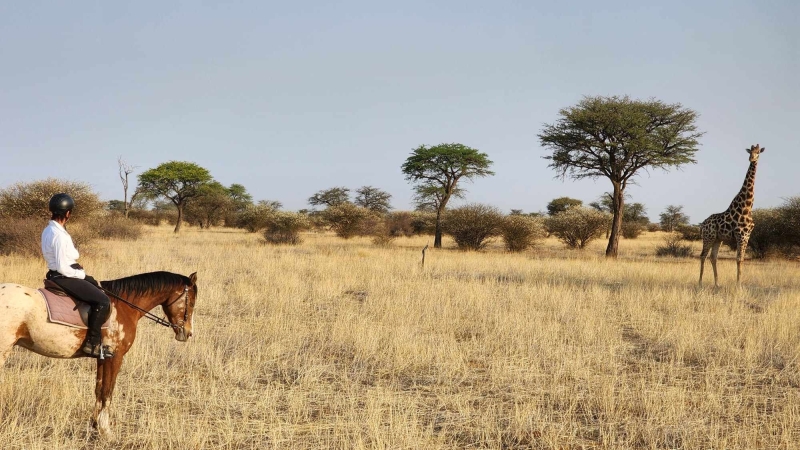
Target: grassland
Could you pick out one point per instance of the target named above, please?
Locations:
(341, 344)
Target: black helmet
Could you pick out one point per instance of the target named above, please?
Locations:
(61, 203)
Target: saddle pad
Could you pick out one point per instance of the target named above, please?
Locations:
(63, 310)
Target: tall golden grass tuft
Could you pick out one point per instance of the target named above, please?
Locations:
(343, 344)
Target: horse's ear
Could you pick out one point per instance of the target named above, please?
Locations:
(193, 278)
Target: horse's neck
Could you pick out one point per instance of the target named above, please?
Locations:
(146, 302)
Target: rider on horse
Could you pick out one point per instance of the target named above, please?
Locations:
(61, 256)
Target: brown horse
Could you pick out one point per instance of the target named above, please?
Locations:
(24, 322)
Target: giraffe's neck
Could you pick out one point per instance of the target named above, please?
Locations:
(743, 201)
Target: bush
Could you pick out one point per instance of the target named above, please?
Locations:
(116, 226)
(768, 226)
(673, 246)
(23, 236)
(423, 222)
(346, 219)
(400, 223)
(30, 200)
(521, 232)
(790, 223)
(285, 227)
(383, 236)
(471, 226)
(576, 227)
(632, 230)
(255, 217)
(146, 217)
(689, 232)
(653, 227)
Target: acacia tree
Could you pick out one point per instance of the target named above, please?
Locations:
(437, 171)
(615, 138)
(561, 204)
(210, 206)
(672, 217)
(177, 181)
(373, 199)
(330, 197)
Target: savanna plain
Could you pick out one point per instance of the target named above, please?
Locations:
(346, 345)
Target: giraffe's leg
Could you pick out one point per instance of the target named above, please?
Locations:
(703, 254)
(741, 247)
(714, 251)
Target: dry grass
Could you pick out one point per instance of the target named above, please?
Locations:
(336, 344)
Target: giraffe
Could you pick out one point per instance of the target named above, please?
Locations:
(736, 222)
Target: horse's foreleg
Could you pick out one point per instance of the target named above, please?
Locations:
(107, 371)
(10, 334)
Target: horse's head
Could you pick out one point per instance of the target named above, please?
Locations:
(179, 309)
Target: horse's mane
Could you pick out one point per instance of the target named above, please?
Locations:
(146, 283)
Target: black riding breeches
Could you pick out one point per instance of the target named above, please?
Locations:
(87, 292)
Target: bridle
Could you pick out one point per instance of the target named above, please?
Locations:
(184, 295)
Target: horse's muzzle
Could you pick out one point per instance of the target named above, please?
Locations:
(182, 335)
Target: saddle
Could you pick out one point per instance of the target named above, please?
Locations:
(64, 309)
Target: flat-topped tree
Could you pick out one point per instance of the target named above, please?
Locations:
(373, 199)
(330, 197)
(177, 181)
(616, 138)
(437, 170)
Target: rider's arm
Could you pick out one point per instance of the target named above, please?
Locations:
(62, 247)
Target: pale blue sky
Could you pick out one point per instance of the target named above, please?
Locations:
(288, 98)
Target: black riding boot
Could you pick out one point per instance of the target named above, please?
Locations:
(93, 346)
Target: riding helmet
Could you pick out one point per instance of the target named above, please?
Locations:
(61, 203)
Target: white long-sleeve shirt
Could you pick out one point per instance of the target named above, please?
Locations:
(59, 251)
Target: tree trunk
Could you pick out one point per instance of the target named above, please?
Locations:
(616, 223)
(180, 218)
(437, 240)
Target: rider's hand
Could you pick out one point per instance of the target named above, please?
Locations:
(91, 279)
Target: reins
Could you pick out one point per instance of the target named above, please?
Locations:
(150, 315)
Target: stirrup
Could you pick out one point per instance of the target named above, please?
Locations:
(98, 351)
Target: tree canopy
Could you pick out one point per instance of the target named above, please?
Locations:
(330, 197)
(373, 199)
(672, 217)
(616, 138)
(437, 171)
(177, 181)
(561, 204)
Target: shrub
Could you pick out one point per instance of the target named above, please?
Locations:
(471, 226)
(673, 246)
(521, 232)
(790, 223)
(777, 230)
(31, 199)
(632, 230)
(689, 232)
(400, 223)
(346, 219)
(423, 222)
(284, 227)
(382, 235)
(576, 227)
(653, 227)
(23, 236)
(116, 226)
(255, 217)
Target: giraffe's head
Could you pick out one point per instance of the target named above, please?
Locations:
(754, 151)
